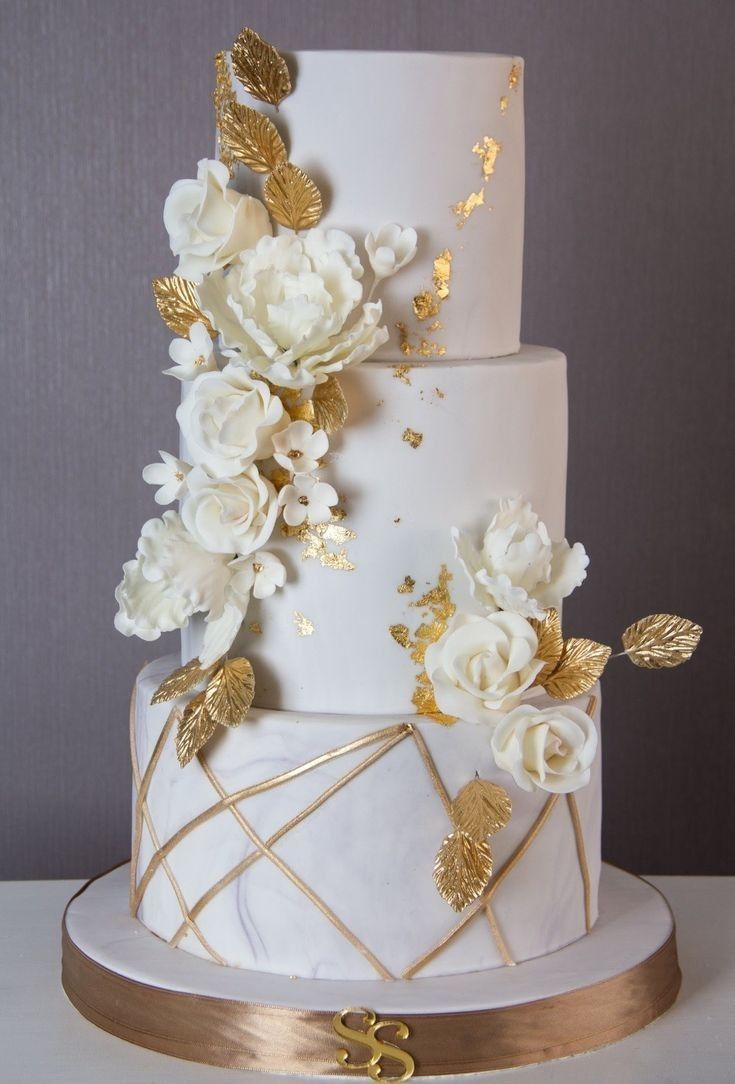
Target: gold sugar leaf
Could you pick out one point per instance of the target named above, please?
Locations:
(462, 869)
(230, 692)
(179, 681)
(251, 138)
(260, 68)
(327, 408)
(292, 198)
(661, 640)
(481, 808)
(196, 727)
(581, 664)
(550, 643)
(177, 302)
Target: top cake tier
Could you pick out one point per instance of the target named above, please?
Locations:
(429, 140)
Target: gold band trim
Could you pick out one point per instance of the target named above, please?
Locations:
(233, 1034)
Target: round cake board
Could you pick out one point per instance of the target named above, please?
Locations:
(595, 991)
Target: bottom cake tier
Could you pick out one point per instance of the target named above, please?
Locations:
(304, 845)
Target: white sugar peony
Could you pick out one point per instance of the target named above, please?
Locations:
(306, 498)
(291, 308)
(147, 609)
(230, 515)
(519, 568)
(192, 356)
(228, 420)
(261, 572)
(482, 666)
(389, 249)
(551, 748)
(208, 224)
(169, 475)
(298, 448)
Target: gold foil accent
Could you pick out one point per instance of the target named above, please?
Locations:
(661, 640)
(230, 691)
(503, 103)
(223, 97)
(488, 150)
(465, 207)
(581, 664)
(425, 305)
(378, 1047)
(435, 325)
(400, 372)
(401, 635)
(442, 274)
(481, 809)
(256, 628)
(326, 409)
(249, 137)
(260, 68)
(438, 609)
(412, 437)
(179, 681)
(439, 393)
(407, 587)
(514, 76)
(462, 869)
(292, 198)
(304, 627)
(320, 541)
(421, 348)
(177, 302)
(196, 727)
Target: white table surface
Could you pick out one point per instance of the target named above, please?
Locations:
(44, 1040)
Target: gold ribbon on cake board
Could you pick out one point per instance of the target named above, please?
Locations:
(247, 1035)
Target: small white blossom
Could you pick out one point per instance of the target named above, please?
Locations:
(306, 497)
(389, 249)
(192, 356)
(298, 448)
(260, 572)
(170, 475)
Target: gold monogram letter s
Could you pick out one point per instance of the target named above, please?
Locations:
(379, 1048)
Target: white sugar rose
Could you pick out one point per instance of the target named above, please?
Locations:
(550, 748)
(306, 498)
(519, 568)
(192, 356)
(230, 515)
(228, 420)
(290, 307)
(169, 475)
(389, 249)
(208, 224)
(298, 448)
(482, 666)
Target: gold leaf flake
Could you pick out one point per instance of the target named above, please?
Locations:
(581, 664)
(260, 68)
(465, 207)
(437, 599)
(423, 348)
(222, 97)
(401, 635)
(661, 640)
(442, 274)
(550, 643)
(425, 305)
(504, 103)
(196, 727)
(400, 372)
(407, 586)
(462, 869)
(251, 138)
(318, 538)
(304, 627)
(177, 302)
(412, 437)
(488, 151)
(425, 703)
(179, 681)
(327, 408)
(292, 198)
(514, 75)
(481, 808)
(439, 393)
(256, 628)
(230, 692)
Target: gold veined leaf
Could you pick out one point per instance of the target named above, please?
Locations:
(550, 643)
(230, 692)
(292, 198)
(260, 68)
(327, 408)
(179, 682)
(178, 304)
(481, 809)
(661, 640)
(251, 138)
(196, 727)
(581, 663)
(462, 869)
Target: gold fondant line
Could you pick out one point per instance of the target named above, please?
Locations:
(581, 858)
(248, 792)
(474, 909)
(240, 868)
(294, 877)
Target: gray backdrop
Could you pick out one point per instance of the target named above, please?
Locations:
(630, 117)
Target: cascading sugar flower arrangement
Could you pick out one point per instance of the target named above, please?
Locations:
(265, 323)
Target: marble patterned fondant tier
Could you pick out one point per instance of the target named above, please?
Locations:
(389, 137)
(322, 865)
(488, 429)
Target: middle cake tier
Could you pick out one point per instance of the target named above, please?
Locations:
(427, 448)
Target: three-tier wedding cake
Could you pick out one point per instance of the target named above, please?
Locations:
(378, 756)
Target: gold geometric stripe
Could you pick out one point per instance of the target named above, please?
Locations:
(581, 858)
(240, 868)
(295, 879)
